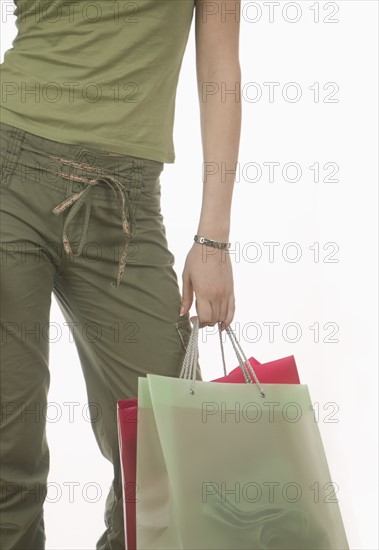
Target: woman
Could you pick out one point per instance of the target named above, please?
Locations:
(87, 117)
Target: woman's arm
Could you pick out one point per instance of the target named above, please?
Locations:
(218, 77)
(207, 271)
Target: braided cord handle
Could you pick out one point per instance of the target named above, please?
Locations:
(188, 370)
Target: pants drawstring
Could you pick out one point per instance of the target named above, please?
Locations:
(84, 198)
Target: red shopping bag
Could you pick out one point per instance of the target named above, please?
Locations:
(279, 371)
(127, 416)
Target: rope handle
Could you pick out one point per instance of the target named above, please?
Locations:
(188, 370)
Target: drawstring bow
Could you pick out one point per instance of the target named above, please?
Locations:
(84, 197)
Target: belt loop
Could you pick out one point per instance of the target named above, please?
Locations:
(12, 154)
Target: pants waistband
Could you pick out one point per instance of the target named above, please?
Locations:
(79, 152)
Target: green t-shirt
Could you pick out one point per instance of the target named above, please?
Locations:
(101, 73)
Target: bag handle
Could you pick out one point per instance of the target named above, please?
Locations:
(190, 361)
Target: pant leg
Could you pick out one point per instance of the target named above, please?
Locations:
(27, 275)
(126, 332)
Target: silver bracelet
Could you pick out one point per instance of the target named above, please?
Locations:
(211, 242)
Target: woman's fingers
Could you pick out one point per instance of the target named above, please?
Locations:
(187, 294)
(204, 311)
(230, 310)
(210, 313)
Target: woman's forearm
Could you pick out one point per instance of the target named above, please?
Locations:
(220, 119)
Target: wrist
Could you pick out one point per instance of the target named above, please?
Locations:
(218, 244)
(216, 234)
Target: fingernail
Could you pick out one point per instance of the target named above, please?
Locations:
(181, 313)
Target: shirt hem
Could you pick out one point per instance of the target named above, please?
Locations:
(130, 149)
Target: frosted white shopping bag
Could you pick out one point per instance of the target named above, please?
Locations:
(232, 466)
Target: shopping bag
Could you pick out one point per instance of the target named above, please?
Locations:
(231, 466)
(279, 371)
(282, 370)
(127, 416)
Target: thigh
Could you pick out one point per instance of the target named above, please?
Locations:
(27, 278)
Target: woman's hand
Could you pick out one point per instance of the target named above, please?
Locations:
(208, 272)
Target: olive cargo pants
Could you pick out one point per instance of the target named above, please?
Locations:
(72, 219)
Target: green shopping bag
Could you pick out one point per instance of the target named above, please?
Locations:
(231, 466)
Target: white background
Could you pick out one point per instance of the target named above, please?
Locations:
(334, 291)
